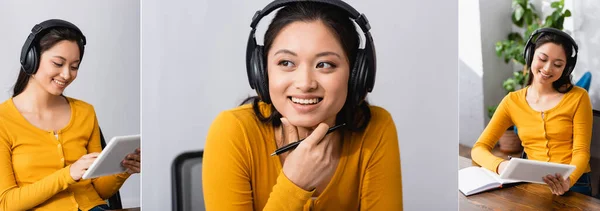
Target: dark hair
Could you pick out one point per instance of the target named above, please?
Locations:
(338, 21)
(47, 41)
(563, 84)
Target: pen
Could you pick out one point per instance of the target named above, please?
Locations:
(295, 144)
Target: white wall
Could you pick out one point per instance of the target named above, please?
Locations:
(481, 24)
(109, 76)
(194, 67)
(471, 108)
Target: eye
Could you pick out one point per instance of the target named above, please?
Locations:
(285, 63)
(57, 64)
(326, 65)
(542, 59)
(558, 65)
(74, 67)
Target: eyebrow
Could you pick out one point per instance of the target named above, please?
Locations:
(327, 53)
(558, 60)
(63, 58)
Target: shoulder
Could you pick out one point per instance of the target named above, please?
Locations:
(5, 107)
(381, 124)
(578, 92)
(80, 104)
(379, 115)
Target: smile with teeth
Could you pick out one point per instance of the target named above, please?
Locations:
(544, 75)
(306, 101)
(59, 83)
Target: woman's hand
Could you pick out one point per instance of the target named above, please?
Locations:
(132, 162)
(78, 168)
(502, 166)
(312, 161)
(557, 184)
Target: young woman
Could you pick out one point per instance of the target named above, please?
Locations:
(48, 140)
(310, 75)
(553, 117)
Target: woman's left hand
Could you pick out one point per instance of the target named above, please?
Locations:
(132, 162)
(558, 186)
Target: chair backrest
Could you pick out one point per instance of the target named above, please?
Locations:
(187, 182)
(114, 202)
(585, 81)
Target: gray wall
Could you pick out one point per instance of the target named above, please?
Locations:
(193, 62)
(109, 76)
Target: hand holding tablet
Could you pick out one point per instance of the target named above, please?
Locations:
(110, 161)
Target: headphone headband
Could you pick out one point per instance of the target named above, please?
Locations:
(558, 32)
(41, 28)
(362, 73)
(359, 18)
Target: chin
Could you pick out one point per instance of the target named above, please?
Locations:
(306, 122)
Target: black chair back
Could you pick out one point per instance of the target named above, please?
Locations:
(187, 182)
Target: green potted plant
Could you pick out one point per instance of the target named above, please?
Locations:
(524, 16)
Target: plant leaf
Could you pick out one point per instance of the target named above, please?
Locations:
(567, 13)
(555, 4)
(519, 11)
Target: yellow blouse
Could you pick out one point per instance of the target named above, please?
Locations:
(560, 135)
(34, 164)
(239, 174)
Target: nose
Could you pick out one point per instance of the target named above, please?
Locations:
(304, 79)
(65, 73)
(547, 66)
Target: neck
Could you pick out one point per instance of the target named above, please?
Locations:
(542, 89)
(36, 99)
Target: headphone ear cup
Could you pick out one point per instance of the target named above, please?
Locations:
(31, 61)
(358, 78)
(261, 80)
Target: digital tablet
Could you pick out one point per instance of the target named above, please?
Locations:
(109, 160)
(533, 171)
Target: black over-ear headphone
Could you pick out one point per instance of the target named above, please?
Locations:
(362, 75)
(530, 47)
(30, 53)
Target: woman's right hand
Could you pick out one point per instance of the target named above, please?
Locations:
(312, 161)
(80, 166)
(502, 166)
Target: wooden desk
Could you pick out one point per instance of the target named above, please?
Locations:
(128, 209)
(523, 197)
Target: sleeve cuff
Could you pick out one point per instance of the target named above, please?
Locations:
(66, 175)
(288, 188)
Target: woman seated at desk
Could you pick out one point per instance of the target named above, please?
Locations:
(553, 117)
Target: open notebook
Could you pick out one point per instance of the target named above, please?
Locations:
(472, 180)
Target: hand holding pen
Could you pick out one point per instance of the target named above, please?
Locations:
(313, 160)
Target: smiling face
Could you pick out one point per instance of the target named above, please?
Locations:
(58, 67)
(548, 63)
(308, 74)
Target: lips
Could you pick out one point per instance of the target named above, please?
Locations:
(546, 76)
(305, 100)
(61, 84)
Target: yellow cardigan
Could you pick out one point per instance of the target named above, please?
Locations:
(560, 135)
(239, 174)
(34, 165)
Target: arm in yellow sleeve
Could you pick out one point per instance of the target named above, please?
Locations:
(582, 137)
(105, 186)
(482, 150)
(13, 197)
(382, 184)
(226, 172)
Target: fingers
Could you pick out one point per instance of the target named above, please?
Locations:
(133, 156)
(557, 184)
(548, 180)
(317, 134)
(290, 131)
